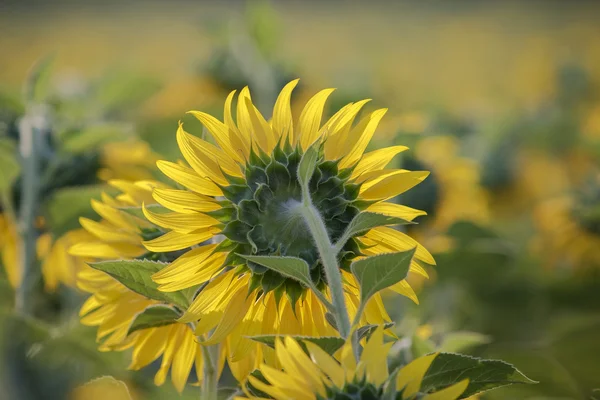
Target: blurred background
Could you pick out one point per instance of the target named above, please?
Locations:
(500, 100)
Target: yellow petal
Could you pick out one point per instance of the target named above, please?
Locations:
(261, 127)
(172, 241)
(283, 124)
(174, 337)
(148, 349)
(239, 141)
(450, 393)
(326, 363)
(396, 210)
(374, 357)
(376, 160)
(310, 118)
(184, 201)
(108, 233)
(187, 261)
(183, 223)
(189, 178)
(338, 127)
(220, 132)
(410, 376)
(361, 136)
(399, 241)
(106, 251)
(200, 273)
(234, 313)
(391, 185)
(183, 360)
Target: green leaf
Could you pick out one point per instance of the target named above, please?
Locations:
(330, 344)
(307, 166)
(9, 164)
(379, 272)
(366, 221)
(38, 80)
(290, 267)
(137, 276)
(449, 368)
(154, 316)
(94, 136)
(454, 342)
(367, 330)
(66, 205)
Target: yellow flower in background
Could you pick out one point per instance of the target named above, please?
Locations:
(106, 387)
(317, 375)
(239, 200)
(10, 244)
(112, 307)
(461, 196)
(569, 230)
(132, 160)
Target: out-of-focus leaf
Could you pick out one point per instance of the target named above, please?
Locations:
(119, 91)
(93, 136)
(455, 342)
(65, 207)
(38, 80)
(9, 164)
(448, 369)
(137, 276)
(420, 347)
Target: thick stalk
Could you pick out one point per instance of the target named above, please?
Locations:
(210, 381)
(329, 259)
(30, 132)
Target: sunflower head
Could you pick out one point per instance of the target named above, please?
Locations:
(308, 372)
(261, 216)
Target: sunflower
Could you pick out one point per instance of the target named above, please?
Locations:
(314, 374)
(130, 160)
(452, 194)
(238, 198)
(569, 229)
(112, 307)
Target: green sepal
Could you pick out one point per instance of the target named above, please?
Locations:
(154, 316)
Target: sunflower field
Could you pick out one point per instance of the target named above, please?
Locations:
(299, 200)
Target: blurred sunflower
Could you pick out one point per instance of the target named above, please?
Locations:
(112, 307)
(452, 194)
(243, 194)
(569, 229)
(130, 160)
(317, 375)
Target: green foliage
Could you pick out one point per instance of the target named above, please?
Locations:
(367, 330)
(9, 164)
(93, 136)
(64, 208)
(380, 272)
(153, 317)
(137, 276)
(449, 368)
(307, 166)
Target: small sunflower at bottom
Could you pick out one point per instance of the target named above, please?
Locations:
(251, 179)
(310, 373)
(112, 307)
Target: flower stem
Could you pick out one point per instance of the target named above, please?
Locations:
(31, 130)
(329, 259)
(209, 381)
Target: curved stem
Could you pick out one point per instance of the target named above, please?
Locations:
(329, 259)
